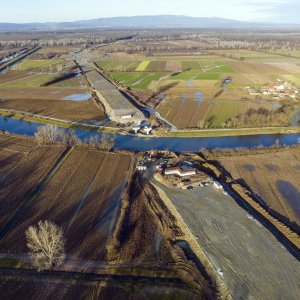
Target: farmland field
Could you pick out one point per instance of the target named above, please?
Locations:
(60, 289)
(12, 151)
(58, 95)
(136, 80)
(31, 65)
(20, 79)
(85, 111)
(275, 178)
(248, 55)
(25, 176)
(192, 103)
(83, 197)
(109, 217)
(177, 81)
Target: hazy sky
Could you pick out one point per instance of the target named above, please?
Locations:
(282, 11)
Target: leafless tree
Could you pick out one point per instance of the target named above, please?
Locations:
(47, 134)
(108, 141)
(47, 245)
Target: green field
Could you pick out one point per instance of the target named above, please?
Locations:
(195, 76)
(136, 80)
(191, 65)
(220, 112)
(161, 66)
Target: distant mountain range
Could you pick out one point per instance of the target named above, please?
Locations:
(163, 21)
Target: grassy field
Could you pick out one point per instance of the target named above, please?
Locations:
(136, 80)
(196, 76)
(273, 177)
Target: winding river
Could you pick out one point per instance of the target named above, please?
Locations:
(129, 142)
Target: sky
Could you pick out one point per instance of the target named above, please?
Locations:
(23, 11)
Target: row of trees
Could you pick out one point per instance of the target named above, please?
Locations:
(50, 39)
(50, 134)
(261, 117)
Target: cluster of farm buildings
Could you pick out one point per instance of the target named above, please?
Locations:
(278, 90)
(179, 173)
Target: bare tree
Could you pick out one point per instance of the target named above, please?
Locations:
(47, 245)
(47, 134)
(108, 141)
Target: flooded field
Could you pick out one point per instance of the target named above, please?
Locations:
(253, 264)
(78, 97)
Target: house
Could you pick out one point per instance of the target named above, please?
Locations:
(179, 172)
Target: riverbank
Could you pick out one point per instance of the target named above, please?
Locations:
(28, 125)
(34, 118)
(230, 132)
(40, 119)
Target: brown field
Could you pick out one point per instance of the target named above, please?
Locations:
(61, 289)
(85, 111)
(84, 198)
(37, 93)
(275, 178)
(181, 106)
(12, 151)
(11, 76)
(250, 79)
(109, 218)
(21, 181)
(257, 68)
(183, 112)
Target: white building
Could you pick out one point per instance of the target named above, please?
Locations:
(178, 172)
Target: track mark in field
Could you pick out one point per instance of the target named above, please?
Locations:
(83, 198)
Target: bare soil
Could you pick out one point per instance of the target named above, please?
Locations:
(84, 111)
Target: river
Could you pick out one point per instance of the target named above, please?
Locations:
(129, 142)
